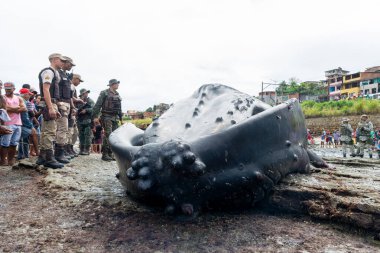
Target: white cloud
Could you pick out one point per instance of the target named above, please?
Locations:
(164, 50)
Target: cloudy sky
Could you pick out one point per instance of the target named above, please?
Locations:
(163, 50)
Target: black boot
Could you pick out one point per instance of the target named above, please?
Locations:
(68, 151)
(106, 157)
(344, 155)
(50, 161)
(72, 151)
(370, 155)
(81, 150)
(86, 150)
(59, 154)
(41, 158)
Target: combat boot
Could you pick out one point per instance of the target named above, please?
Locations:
(4, 156)
(81, 150)
(50, 162)
(344, 155)
(370, 155)
(11, 155)
(73, 151)
(106, 157)
(59, 154)
(86, 150)
(41, 157)
(68, 151)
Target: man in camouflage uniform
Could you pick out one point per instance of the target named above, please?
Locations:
(84, 122)
(364, 135)
(109, 105)
(346, 137)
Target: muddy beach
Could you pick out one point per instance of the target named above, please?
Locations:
(83, 208)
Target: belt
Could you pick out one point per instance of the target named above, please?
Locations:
(65, 100)
(53, 100)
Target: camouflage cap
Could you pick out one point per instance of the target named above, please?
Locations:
(113, 81)
(68, 59)
(82, 91)
(345, 119)
(56, 55)
(78, 76)
(364, 116)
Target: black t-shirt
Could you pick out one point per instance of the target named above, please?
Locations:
(98, 132)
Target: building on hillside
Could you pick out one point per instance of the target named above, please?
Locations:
(360, 83)
(133, 114)
(268, 97)
(371, 85)
(149, 115)
(334, 79)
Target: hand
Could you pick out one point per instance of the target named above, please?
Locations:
(80, 101)
(52, 113)
(4, 130)
(83, 111)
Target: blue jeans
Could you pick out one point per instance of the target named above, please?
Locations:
(13, 138)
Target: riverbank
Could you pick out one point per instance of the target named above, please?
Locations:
(83, 208)
(333, 123)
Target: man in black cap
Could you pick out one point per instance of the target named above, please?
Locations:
(109, 105)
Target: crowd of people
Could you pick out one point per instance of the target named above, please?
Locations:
(363, 137)
(48, 122)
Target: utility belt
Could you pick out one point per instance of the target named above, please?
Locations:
(53, 100)
(65, 100)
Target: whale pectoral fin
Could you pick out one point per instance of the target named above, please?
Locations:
(316, 161)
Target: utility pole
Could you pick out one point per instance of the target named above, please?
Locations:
(262, 88)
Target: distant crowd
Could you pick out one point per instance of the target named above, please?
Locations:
(363, 137)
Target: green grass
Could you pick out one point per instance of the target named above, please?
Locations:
(141, 123)
(313, 109)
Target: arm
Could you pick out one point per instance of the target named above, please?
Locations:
(22, 106)
(49, 105)
(98, 105)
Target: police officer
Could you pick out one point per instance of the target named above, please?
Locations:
(109, 105)
(49, 79)
(75, 102)
(84, 122)
(346, 137)
(364, 135)
(63, 104)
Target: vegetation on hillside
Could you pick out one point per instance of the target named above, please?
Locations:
(340, 108)
(294, 85)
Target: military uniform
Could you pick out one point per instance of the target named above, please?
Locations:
(364, 139)
(49, 125)
(63, 122)
(109, 105)
(346, 137)
(84, 121)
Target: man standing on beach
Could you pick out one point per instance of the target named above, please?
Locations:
(109, 105)
(49, 79)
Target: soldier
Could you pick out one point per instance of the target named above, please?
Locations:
(364, 135)
(109, 104)
(75, 101)
(84, 122)
(346, 137)
(63, 104)
(49, 79)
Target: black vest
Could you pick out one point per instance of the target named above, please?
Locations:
(64, 86)
(54, 91)
(112, 103)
